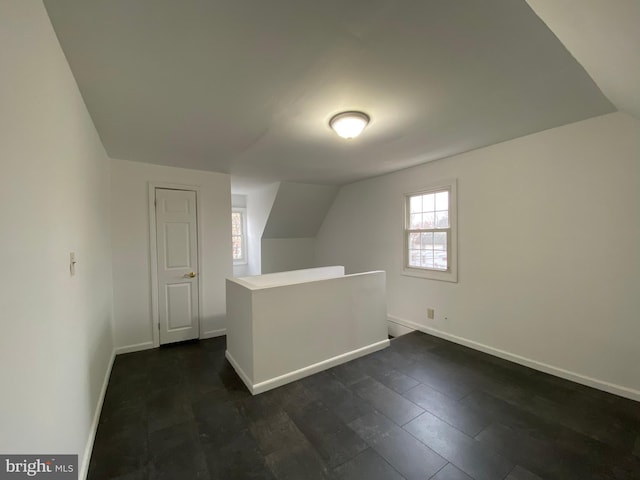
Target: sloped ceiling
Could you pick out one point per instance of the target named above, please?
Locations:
(299, 210)
(604, 36)
(248, 86)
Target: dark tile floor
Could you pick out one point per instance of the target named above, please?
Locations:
(421, 409)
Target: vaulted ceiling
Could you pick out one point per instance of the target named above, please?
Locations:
(604, 36)
(248, 86)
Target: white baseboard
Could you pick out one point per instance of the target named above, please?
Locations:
(86, 458)
(527, 362)
(241, 373)
(213, 333)
(138, 347)
(397, 329)
(275, 382)
(408, 324)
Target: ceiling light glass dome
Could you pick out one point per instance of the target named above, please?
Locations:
(349, 124)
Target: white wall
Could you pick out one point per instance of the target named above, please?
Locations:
(131, 253)
(549, 264)
(288, 239)
(56, 344)
(282, 221)
(282, 254)
(239, 201)
(259, 203)
(299, 210)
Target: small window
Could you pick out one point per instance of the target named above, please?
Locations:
(430, 233)
(239, 235)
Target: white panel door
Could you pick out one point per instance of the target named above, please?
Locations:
(177, 251)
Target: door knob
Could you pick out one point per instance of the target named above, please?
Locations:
(190, 275)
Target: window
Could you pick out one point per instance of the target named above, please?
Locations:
(239, 235)
(430, 233)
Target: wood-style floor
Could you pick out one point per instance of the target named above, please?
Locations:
(424, 408)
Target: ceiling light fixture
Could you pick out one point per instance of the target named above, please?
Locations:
(349, 124)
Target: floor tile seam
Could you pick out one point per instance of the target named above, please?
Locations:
(493, 423)
(608, 451)
(387, 387)
(391, 388)
(279, 450)
(442, 361)
(371, 411)
(389, 370)
(591, 435)
(412, 419)
(555, 425)
(414, 387)
(516, 406)
(386, 416)
(321, 404)
(350, 385)
(509, 472)
(365, 404)
(505, 454)
(452, 461)
(464, 397)
(440, 469)
(307, 437)
(264, 453)
(533, 469)
(370, 447)
(443, 420)
(309, 440)
(433, 387)
(383, 415)
(464, 369)
(458, 401)
(410, 388)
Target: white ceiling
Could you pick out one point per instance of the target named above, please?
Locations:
(248, 86)
(604, 36)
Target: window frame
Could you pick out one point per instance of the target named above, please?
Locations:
(451, 274)
(243, 214)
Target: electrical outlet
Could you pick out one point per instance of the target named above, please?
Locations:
(72, 263)
(430, 313)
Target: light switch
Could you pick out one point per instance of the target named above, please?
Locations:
(72, 263)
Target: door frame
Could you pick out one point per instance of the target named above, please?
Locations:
(153, 254)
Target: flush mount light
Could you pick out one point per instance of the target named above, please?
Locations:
(349, 124)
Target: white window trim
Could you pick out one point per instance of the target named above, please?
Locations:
(245, 259)
(451, 274)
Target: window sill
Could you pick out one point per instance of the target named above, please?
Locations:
(443, 276)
